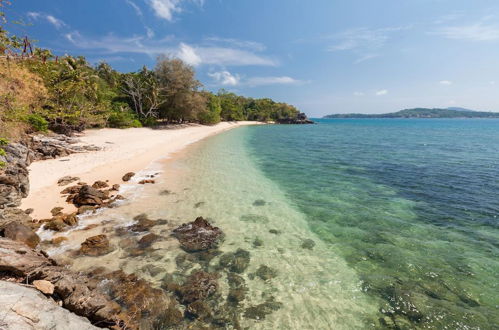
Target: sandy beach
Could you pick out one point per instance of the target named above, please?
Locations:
(122, 151)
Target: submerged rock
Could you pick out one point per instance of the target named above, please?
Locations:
(198, 235)
(259, 312)
(259, 202)
(147, 240)
(128, 176)
(236, 262)
(257, 242)
(237, 289)
(143, 223)
(266, 273)
(96, 246)
(308, 244)
(198, 286)
(254, 218)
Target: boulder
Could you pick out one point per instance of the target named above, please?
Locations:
(147, 240)
(198, 286)
(26, 308)
(56, 211)
(89, 196)
(96, 246)
(100, 184)
(198, 235)
(236, 262)
(44, 286)
(65, 180)
(265, 272)
(143, 223)
(128, 176)
(18, 259)
(20, 233)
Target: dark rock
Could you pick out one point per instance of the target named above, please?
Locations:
(85, 209)
(300, 118)
(55, 224)
(259, 202)
(70, 219)
(153, 270)
(100, 184)
(259, 312)
(89, 196)
(198, 286)
(198, 205)
(65, 180)
(275, 231)
(20, 233)
(146, 181)
(96, 246)
(14, 177)
(255, 218)
(147, 240)
(71, 190)
(308, 244)
(56, 211)
(237, 289)
(115, 187)
(257, 242)
(198, 309)
(266, 273)
(165, 192)
(143, 223)
(128, 176)
(198, 235)
(236, 262)
(29, 211)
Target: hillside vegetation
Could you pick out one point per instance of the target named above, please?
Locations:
(40, 92)
(423, 113)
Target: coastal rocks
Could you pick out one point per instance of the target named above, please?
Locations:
(25, 308)
(128, 176)
(20, 233)
(237, 289)
(198, 235)
(198, 286)
(88, 195)
(146, 181)
(17, 259)
(60, 221)
(143, 223)
(14, 177)
(147, 240)
(96, 246)
(56, 145)
(100, 184)
(65, 180)
(44, 287)
(300, 118)
(236, 262)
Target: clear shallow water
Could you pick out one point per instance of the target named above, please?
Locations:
(411, 205)
(402, 213)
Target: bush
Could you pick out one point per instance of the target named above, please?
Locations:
(3, 141)
(37, 122)
(123, 120)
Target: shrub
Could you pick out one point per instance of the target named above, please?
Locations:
(123, 120)
(37, 122)
(3, 141)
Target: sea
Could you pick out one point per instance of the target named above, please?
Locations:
(358, 223)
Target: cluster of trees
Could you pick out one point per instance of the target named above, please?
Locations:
(73, 94)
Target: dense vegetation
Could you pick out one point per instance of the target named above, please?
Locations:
(423, 113)
(40, 92)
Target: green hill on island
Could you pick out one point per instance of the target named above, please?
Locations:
(423, 113)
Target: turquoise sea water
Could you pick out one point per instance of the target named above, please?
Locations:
(411, 206)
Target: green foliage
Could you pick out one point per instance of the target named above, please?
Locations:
(38, 122)
(2, 152)
(123, 120)
(212, 113)
(3, 141)
(2, 164)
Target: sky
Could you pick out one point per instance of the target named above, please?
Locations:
(323, 56)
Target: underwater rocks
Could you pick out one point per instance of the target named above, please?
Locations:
(236, 262)
(259, 311)
(96, 246)
(308, 244)
(198, 286)
(147, 240)
(266, 273)
(143, 223)
(198, 235)
(259, 202)
(237, 289)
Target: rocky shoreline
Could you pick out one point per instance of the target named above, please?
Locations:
(188, 298)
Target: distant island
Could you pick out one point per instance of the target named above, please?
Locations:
(423, 113)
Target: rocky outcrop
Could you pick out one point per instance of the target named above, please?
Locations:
(26, 308)
(88, 195)
(96, 246)
(300, 118)
(18, 232)
(57, 145)
(198, 235)
(14, 180)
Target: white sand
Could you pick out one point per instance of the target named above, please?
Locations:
(123, 150)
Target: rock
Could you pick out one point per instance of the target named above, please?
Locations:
(300, 118)
(143, 223)
(308, 244)
(44, 287)
(96, 246)
(18, 259)
(236, 262)
(259, 312)
(128, 176)
(56, 145)
(199, 286)
(146, 181)
(255, 218)
(257, 242)
(153, 270)
(55, 224)
(275, 231)
(198, 309)
(100, 184)
(259, 202)
(198, 235)
(266, 273)
(56, 211)
(58, 240)
(165, 192)
(65, 180)
(71, 190)
(16, 215)
(26, 308)
(115, 187)
(70, 219)
(85, 209)
(237, 289)
(147, 240)
(20, 233)
(89, 196)
(29, 211)
(14, 178)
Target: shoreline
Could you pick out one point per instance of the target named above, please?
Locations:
(122, 151)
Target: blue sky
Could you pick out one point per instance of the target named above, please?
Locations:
(324, 56)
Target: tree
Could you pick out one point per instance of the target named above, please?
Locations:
(211, 115)
(179, 86)
(144, 92)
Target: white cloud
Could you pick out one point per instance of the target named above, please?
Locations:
(253, 45)
(366, 57)
(358, 93)
(57, 23)
(137, 9)
(225, 78)
(445, 82)
(480, 31)
(165, 9)
(363, 38)
(150, 33)
(261, 81)
(191, 54)
(381, 92)
(187, 54)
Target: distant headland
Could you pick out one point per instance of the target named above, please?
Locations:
(423, 113)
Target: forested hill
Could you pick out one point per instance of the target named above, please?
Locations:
(423, 113)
